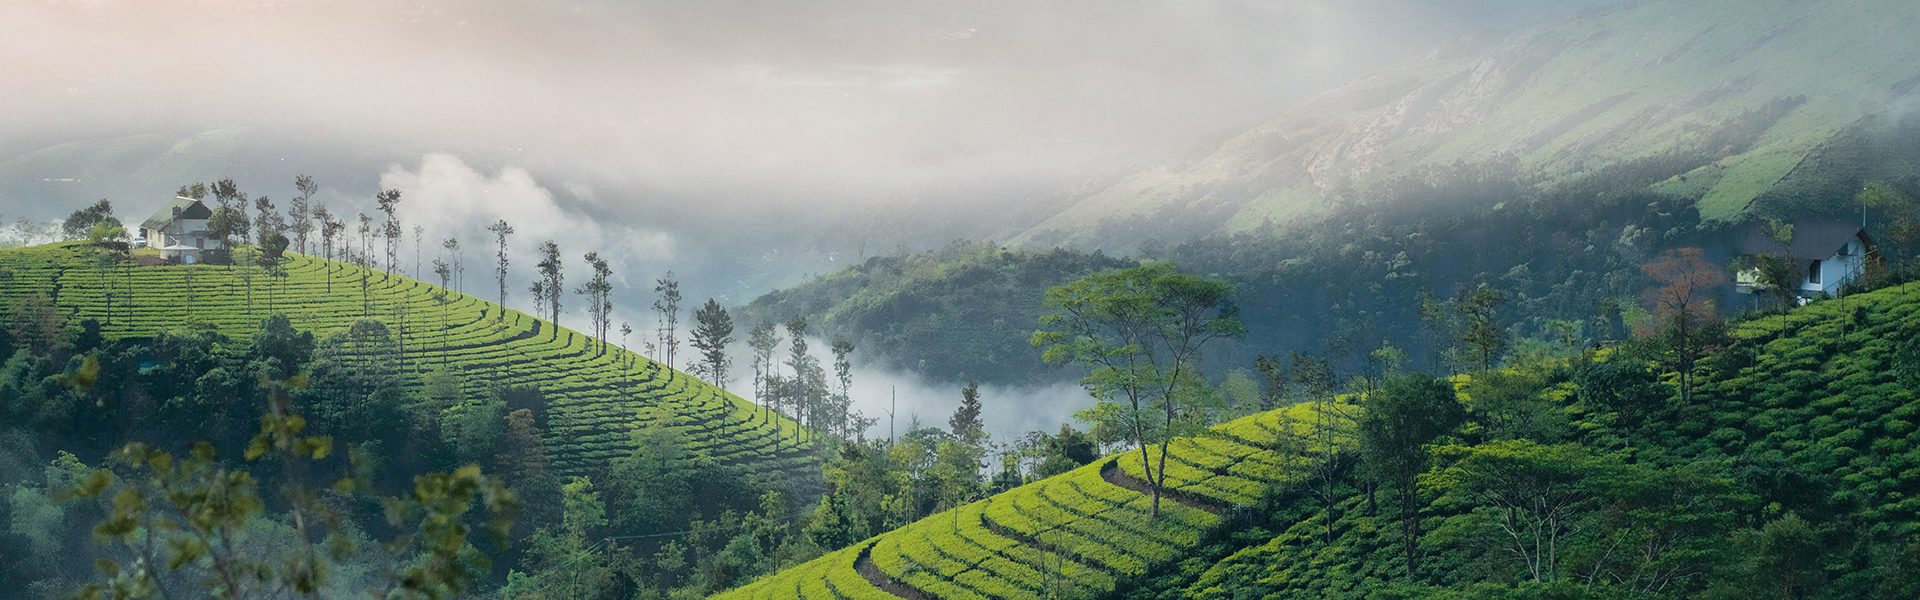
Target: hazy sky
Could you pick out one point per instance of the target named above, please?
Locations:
(736, 101)
(731, 140)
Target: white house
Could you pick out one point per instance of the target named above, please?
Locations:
(179, 231)
(1828, 254)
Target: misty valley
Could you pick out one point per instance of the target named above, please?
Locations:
(1489, 299)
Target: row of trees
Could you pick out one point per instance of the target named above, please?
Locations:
(270, 233)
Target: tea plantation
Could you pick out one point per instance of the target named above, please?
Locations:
(594, 394)
(1081, 534)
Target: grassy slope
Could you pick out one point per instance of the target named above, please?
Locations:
(1816, 388)
(1714, 81)
(594, 396)
(1075, 535)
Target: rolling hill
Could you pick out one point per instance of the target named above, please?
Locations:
(594, 395)
(1797, 445)
(1725, 99)
(1080, 534)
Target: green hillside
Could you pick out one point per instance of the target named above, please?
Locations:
(594, 395)
(1081, 534)
(1727, 97)
(961, 313)
(1792, 470)
(1805, 419)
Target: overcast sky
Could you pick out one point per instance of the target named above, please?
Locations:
(748, 101)
(730, 140)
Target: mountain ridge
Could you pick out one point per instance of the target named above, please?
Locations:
(1551, 104)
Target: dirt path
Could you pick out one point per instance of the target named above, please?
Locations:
(864, 565)
(1114, 475)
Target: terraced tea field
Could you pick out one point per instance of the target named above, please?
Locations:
(1075, 535)
(595, 394)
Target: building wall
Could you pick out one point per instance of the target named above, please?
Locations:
(1838, 269)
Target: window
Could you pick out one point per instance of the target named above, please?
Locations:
(1813, 273)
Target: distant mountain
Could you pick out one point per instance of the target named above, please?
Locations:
(1722, 98)
(959, 314)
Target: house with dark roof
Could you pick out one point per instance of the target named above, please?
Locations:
(179, 231)
(1828, 255)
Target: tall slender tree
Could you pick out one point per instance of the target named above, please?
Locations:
(763, 339)
(366, 231)
(843, 374)
(712, 331)
(667, 306)
(451, 246)
(597, 294)
(539, 292)
(419, 239)
(804, 389)
(329, 231)
(500, 231)
(550, 268)
(388, 201)
(300, 214)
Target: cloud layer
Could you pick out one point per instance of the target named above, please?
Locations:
(756, 104)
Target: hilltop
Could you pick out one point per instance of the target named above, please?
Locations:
(589, 396)
(1720, 101)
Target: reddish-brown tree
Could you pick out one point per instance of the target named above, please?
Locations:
(1682, 306)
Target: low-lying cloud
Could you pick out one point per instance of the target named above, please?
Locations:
(447, 196)
(1007, 412)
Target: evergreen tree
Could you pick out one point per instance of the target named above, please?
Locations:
(712, 331)
(965, 422)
